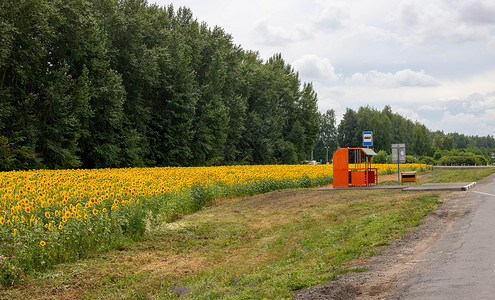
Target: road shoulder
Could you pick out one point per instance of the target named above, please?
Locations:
(387, 272)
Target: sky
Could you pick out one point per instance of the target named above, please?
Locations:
(431, 61)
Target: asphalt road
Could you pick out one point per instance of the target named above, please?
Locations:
(461, 265)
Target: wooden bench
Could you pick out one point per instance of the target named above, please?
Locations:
(408, 177)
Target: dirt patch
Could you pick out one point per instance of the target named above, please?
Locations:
(167, 264)
(386, 271)
(282, 199)
(422, 177)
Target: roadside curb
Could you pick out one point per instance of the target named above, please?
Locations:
(454, 186)
(467, 187)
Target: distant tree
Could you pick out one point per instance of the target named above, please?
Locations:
(437, 138)
(289, 154)
(235, 94)
(259, 146)
(382, 130)
(59, 127)
(308, 116)
(447, 143)
(171, 130)
(237, 107)
(327, 136)
(460, 140)
(379, 122)
(365, 119)
(101, 148)
(211, 118)
(14, 157)
(348, 132)
(297, 138)
(422, 144)
(26, 31)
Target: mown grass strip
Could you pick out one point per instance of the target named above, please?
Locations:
(266, 246)
(308, 250)
(461, 174)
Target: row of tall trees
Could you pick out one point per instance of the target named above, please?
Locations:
(391, 128)
(116, 83)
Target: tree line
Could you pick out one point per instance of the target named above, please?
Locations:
(122, 83)
(422, 145)
(119, 83)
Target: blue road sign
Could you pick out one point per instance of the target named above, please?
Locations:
(367, 139)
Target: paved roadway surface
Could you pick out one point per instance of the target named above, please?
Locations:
(461, 265)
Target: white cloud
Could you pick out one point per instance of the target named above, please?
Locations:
(429, 108)
(476, 124)
(480, 102)
(315, 68)
(272, 35)
(268, 34)
(410, 78)
(330, 98)
(403, 78)
(410, 114)
(438, 22)
(467, 86)
(477, 12)
(490, 44)
(332, 17)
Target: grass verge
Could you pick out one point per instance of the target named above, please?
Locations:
(266, 246)
(444, 175)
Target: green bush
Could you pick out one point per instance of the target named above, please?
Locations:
(458, 161)
(427, 160)
(380, 157)
(410, 159)
(480, 160)
(438, 155)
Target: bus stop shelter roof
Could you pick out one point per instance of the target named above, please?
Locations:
(368, 151)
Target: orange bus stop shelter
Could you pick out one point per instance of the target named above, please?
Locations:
(352, 167)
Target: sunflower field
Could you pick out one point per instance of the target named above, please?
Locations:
(53, 216)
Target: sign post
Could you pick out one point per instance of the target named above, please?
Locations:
(398, 156)
(367, 138)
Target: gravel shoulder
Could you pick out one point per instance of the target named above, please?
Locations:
(388, 272)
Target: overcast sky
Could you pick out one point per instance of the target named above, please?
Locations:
(432, 61)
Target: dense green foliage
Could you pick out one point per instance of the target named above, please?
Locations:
(115, 83)
(389, 128)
